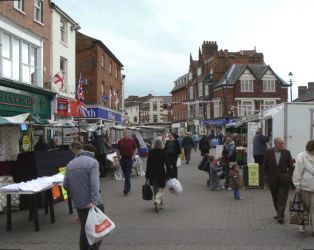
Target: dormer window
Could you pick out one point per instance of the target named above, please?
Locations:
(269, 86)
(246, 85)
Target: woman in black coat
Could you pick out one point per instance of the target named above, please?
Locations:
(157, 171)
(172, 147)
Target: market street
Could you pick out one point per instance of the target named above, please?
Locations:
(199, 219)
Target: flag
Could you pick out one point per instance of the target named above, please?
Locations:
(58, 78)
(81, 106)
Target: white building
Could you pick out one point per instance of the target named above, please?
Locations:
(63, 34)
(133, 115)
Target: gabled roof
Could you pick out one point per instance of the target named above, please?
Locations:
(236, 70)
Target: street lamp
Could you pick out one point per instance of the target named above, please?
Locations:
(290, 81)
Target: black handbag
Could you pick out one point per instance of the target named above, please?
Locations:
(298, 212)
(147, 192)
(204, 164)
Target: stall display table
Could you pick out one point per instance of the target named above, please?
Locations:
(15, 189)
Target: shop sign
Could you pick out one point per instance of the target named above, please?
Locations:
(67, 107)
(19, 101)
(26, 143)
(16, 100)
(217, 122)
(105, 114)
(253, 175)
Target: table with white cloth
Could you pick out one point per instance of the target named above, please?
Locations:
(33, 188)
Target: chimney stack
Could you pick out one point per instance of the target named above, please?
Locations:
(209, 49)
(310, 85)
(301, 90)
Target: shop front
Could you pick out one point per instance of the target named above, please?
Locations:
(104, 116)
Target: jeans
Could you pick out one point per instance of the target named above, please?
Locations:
(126, 165)
(83, 213)
(236, 193)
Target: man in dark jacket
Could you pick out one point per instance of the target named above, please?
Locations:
(187, 145)
(259, 149)
(204, 145)
(278, 169)
(99, 143)
(229, 155)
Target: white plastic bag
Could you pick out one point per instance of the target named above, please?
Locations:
(179, 162)
(97, 225)
(175, 186)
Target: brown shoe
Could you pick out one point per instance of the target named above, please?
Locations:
(275, 217)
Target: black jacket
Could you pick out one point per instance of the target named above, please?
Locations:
(158, 167)
(172, 147)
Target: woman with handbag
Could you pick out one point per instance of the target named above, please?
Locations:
(157, 171)
(303, 180)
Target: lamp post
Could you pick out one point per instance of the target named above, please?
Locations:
(290, 81)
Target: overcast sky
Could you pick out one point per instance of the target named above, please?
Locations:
(154, 38)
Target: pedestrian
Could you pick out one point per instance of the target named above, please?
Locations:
(126, 151)
(187, 145)
(229, 157)
(172, 147)
(235, 182)
(278, 169)
(101, 156)
(81, 180)
(41, 145)
(158, 171)
(195, 138)
(303, 180)
(204, 145)
(214, 169)
(259, 150)
(220, 137)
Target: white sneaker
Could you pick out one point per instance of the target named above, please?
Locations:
(301, 229)
(229, 188)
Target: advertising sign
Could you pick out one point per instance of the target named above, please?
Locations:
(253, 175)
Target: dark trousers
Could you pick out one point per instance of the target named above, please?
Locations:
(195, 145)
(187, 154)
(279, 192)
(102, 160)
(126, 165)
(83, 213)
(173, 158)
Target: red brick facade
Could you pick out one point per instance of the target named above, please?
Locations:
(26, 20)
(93, 62)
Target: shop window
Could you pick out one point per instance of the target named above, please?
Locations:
(246, 108)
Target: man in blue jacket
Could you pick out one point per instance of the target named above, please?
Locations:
(81, 180)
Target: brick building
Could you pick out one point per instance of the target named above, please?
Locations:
(25, 36)
(102, 71)
(223, 86)
(178, 107)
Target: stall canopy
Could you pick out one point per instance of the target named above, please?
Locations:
(17, 119)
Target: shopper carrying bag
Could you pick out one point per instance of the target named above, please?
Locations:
(298, 212)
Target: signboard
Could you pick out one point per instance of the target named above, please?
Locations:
(104, 99)
(64, 192)
(253, 175)
(66, 107)
(26, 143)
(105, 114)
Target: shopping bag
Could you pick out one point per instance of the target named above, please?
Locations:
(97, 225)
(147, 192)
(204, 164)
(182, 155)
(298, 212)
(179, 164)
(175, 186)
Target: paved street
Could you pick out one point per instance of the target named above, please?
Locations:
(199, 219)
